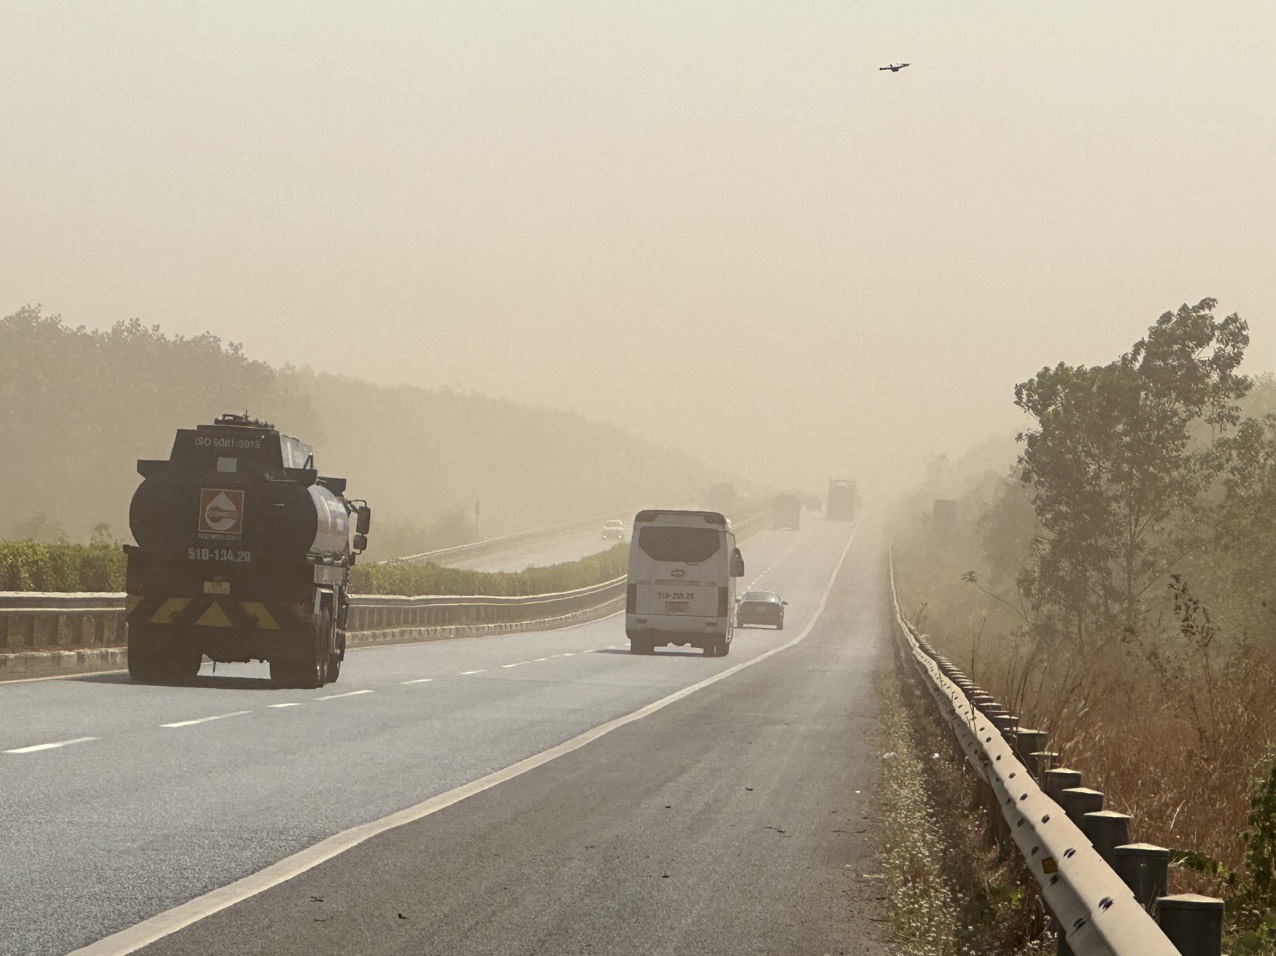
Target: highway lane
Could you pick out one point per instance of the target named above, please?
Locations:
(164, 803)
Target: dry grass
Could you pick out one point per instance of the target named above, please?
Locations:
(950, 891)
(1173, 730)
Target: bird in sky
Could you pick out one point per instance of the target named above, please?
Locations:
(894, 67)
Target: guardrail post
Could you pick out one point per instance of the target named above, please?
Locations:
(1044, 760)
(1106, 830)
(1144, 867)
(1193, 923)
(1030, 746)
(1078, 801)
(1006, 724)
(1055, 780)
(1029, 740)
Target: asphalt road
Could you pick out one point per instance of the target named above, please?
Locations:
(624, 804)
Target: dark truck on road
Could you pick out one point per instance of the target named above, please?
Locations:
(842, 500)
(243, 553)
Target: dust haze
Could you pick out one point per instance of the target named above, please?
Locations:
(716, 225)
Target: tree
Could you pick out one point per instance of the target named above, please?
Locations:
(1112, 459)
(38, 527)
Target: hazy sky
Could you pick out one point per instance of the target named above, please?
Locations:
(715, 223)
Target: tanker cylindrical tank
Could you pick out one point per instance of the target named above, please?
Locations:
(283, 519)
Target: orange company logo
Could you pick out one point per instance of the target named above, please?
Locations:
(221, 511)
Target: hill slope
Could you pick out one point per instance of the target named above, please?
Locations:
(78, 407)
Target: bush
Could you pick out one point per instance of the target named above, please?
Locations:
(31, 566)
(418, 579)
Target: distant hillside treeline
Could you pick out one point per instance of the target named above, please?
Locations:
(78, 407)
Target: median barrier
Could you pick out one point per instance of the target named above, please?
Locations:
(52, 633)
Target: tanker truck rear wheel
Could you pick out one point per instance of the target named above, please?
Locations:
(182, 660)
(144, 662)
(312, 672)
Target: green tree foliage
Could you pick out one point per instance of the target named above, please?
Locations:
(32, 566)
(1111, 460)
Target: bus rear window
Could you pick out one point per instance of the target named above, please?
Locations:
(691, 545)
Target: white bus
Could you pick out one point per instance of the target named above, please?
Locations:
(682, 571)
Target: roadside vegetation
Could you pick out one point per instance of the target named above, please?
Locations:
(440, 466)
(64, 567)
(1113, 582)
(33, 566)
(418, 579)
(947, 890)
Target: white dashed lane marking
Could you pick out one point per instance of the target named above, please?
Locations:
(204, 720)
(349, 693)
(468, 673)
(419, 680)
(52, 746)
(295, 703)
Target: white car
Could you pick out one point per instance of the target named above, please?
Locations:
(614, 530)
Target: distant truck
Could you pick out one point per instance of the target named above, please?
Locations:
(841, 501)
(786, 512)
(243, 553)
(681, 587)
(720, 497)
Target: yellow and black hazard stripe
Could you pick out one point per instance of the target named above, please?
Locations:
(213, 611)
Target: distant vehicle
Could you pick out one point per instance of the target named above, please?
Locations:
(720, 497)
(681, 590)
(842, 499)
(243, 553)
(760, 607)
(614, 530)
(894, 67)
(786, 512)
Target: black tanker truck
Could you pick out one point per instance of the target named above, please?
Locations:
(243, 553)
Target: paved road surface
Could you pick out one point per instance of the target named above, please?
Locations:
(731, 819)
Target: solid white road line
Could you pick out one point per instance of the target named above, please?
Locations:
(349, 693)
(53, 746)
(204, 720)
(165, 924)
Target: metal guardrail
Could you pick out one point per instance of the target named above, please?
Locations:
(79, 622)
(382, 612)
(58, 602)
(1096, 911)
(30, 619)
